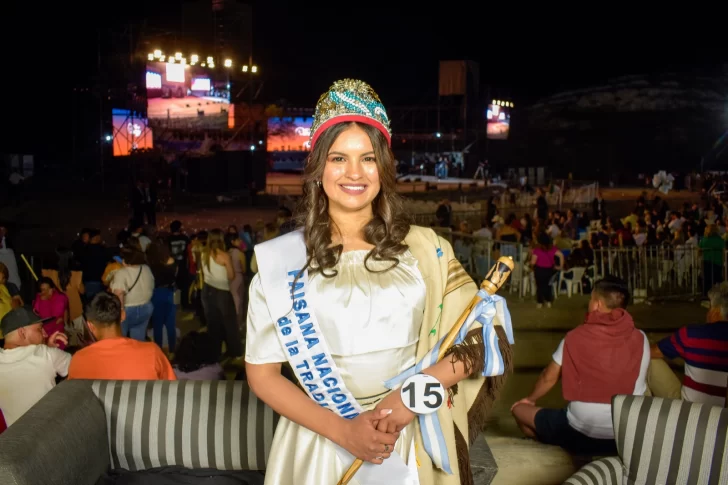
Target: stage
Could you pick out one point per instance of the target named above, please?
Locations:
(187, 107)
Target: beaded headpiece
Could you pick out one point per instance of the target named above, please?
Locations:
(349, 100)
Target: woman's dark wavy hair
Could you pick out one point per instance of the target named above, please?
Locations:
(387, 229)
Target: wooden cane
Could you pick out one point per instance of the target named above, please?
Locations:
(495, 278)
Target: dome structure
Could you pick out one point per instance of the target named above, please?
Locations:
(629, 125)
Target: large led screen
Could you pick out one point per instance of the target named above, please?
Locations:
(131, 132)
(498, 117)
(176, 90)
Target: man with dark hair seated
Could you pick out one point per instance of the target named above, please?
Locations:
(604, 356)
(113, 356)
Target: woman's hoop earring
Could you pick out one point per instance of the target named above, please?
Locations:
(318, 182)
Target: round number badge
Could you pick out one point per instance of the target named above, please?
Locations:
(422, 394)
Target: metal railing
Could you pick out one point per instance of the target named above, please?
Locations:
(478, 254)
(652, 272)
(664, 272)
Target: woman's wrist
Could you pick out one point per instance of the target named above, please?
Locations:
(336, 429)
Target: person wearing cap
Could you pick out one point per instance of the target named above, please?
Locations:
(354, 299)
(29, 362)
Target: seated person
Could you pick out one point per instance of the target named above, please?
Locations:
(196, 359)
(113, 356)
(10, 287)
(9, 293)
(52, 305)
(705, 351)
(604, 356)
(29, 362)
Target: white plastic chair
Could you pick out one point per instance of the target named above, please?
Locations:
(577, 273)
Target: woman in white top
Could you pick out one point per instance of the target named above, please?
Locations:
(217, 301)
(134, 285)
(374, 297)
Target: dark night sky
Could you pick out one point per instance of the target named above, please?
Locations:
(304, 47)
(301, 47)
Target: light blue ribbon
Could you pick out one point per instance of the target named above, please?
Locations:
(488, 308)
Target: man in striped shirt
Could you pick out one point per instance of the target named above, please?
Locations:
(704, 348)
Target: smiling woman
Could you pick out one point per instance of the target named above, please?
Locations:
(351, 167)
(355, 298)
(349, 182)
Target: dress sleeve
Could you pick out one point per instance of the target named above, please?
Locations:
(261, 343)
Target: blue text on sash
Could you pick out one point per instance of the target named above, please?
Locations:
(314, 372)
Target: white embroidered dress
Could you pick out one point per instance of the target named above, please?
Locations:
(371, 322)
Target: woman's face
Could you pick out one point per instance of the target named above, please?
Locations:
(45, 291)
(351, 176)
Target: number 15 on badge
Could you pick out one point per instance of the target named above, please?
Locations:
(422, 394)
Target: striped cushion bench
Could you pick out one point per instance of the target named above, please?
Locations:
(194, 424)
(605, 471)
(663, 441)
(671, 441)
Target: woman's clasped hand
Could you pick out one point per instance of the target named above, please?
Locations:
(359, 436)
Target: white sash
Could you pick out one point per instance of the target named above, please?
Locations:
(279, 262)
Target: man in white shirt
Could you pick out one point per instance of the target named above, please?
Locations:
(29, 362)
(604, 356)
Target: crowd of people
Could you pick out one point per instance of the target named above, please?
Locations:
(94, 304)
(367, 300)
(609, 354)
(557, 241)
